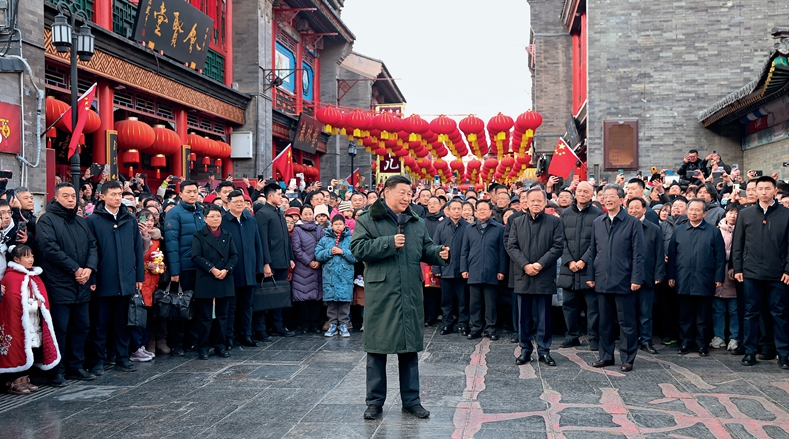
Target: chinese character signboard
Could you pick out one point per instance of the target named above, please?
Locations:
(112, 154)
(10, 126)
(389, 164)
(307, 132)
(175, 27)
(620, 145)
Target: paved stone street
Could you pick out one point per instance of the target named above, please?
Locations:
(313, 387)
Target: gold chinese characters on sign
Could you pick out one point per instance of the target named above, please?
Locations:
(163, 25)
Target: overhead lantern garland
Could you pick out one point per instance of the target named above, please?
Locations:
(331, 118)
(474, 129)
(499, 128)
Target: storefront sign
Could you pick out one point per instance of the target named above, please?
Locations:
(185, 165)
(390, 164)
(765, 137)
(307, 132)
(281, 131)
(112, 154)
(175, 27)
(10, 126)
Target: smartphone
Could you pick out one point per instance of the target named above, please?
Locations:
(6, 174)
(654, 169)
(621, 171)
(759, 173)
(735, 166)
(436, 180)
(229, 175)
(244, 175)
(717, 174)
(261, 177)
(144, 176)
(550, 210)
(96, 170)
(22, 227)
(743, 193)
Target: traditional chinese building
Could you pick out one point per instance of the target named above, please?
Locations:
(165, 93)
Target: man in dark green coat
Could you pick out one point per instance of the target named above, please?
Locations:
(393, 292)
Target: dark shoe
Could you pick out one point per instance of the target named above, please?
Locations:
(57, 380)
(126, 366)
(523, 358)
(418, 411)
(446, 330)
(80, 374)
(474, 334)
(648, 348)
(547, 360)
(783, 363)
(703, 352)
(492, 335)
(262, 337)
(748, 360)
(372, 412)
(249, 342)
(283, 332)
(626, 367)
(514, 337)
(739, 351)
(684, 349)
(767, 356)
(570, 342)
(231, 343)
(463, 330)
(603, 363)
(177, 351)
(203, 354)
(219, 352)
(594, 345)
(97, 370)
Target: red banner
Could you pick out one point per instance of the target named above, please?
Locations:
(10, 128)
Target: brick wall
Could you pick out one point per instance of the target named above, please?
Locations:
(331, 56)
(663, 62)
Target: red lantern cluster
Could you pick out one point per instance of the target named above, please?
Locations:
(134, 134)
(474, 129)
(331, 118)
(499, 128)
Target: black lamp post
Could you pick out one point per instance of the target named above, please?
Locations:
(352, 154)
(65, 38)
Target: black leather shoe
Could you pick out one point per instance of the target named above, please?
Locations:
(547, 360)
(570, 342)
(523, 358)
(418, 411)
(463, 330)
(783, 363)
(372, 412)
(626, 367)
(446, 330)
(97, 370)
(249, 342)
(57, 380)
(603, 363)
(262, 337)
(492, 335)
(474, 334)
(748, 360)
(126, 366)
(284, 332)
(684, 349)
(767, 355)
(202, 354)
(703, 352)
(648, 348)
(224, 353)
(80, 374)
(739, 351)
(231, 343)
(177, 351)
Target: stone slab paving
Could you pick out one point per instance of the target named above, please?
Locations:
(313, 387)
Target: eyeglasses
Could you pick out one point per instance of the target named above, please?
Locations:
(5, 213)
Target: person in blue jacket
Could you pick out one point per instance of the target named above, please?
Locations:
(334, 252)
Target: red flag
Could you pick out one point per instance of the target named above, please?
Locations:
(563, 160)
(357, 178)
(284, 164)
(83, 106)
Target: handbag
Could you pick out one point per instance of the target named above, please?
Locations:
(271, 295)
(138, 313)
(173, 306)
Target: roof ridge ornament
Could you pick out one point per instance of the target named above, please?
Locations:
(781, 33)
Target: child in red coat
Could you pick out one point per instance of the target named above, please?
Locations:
(27, 336)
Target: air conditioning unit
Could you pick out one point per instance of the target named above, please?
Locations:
(242, 143)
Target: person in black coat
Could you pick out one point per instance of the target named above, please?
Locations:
(277, 253)
(246, 237)
(654, 272)
(119, 275)
(616, 272)
(577, 223)
(69, 257)
(432, 295)
(215, 256)
(454, 293)
(535, 244)
(483, 268)
(635, 189)
(696, 266)
(760, 258)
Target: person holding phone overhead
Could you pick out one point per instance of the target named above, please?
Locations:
(693, 170)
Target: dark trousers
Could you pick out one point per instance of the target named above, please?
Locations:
(646, 299)
(540, 324)
(574, 301)
(695, 320)
(761, 295)
(71, 324)
(668, 310)
(454, 296)
(432, 301)
(183, 331)
(157, 326)
(204, 308)
(239, 313)
(308, 312)
(274, 315)
(479, 295)
(109, 314)
(408, 365)
(621, 308)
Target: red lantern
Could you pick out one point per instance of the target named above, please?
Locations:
(458, 167)
(133, 134)
(331, 118)
(55, 108)
(158, 161)
(166, 141)
(92, 123)
(212, 147)
(130, 158)
(206, 162)
(218, 164)
(416, 126)
(443, 126)
(225, 150)
(192, 160)
(197, 144)
(471, 125)
(499, 128)
(357, 124)
(530, 120)
(388, 124)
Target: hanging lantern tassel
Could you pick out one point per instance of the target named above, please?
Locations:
(206, 162)
(159, 161)
(218, 164)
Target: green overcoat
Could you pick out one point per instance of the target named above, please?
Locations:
(393, 308)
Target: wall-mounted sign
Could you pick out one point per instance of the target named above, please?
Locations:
(10, 126)
(175, 27)
(307, 132)
(284, 63)
(112, 154)
(307, 78)
(390, 164)
(620, 145)
(281, 131)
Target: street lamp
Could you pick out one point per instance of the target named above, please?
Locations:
(352, 154)
(65, 38)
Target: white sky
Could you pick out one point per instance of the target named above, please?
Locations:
(455, 57)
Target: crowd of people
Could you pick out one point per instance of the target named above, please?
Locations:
(701, 261)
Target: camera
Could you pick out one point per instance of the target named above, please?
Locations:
(785, 164)
(331, 188)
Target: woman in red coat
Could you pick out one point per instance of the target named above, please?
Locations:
(27, 336)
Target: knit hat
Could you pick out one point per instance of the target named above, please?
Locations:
(293, 211)
(345, 205)
(321, 209)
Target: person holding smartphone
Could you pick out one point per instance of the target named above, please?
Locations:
(693, 170)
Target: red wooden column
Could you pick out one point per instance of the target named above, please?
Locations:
(298, 91)
(182, 130)
(106, 95)
(103, 14)
(229, 44)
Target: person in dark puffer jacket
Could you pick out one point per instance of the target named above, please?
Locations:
(307, 285)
